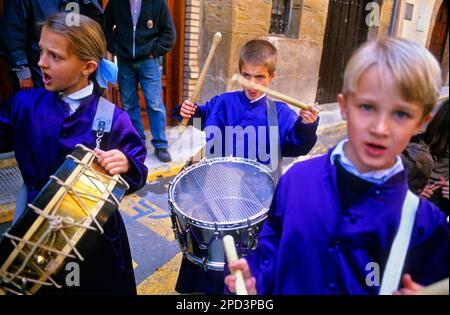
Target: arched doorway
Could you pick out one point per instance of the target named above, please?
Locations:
(439, 37)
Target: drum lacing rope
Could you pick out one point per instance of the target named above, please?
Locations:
(58, 224)
(99, 174)
(118, 179)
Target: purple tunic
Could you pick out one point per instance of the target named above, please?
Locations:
(37, 125)
(235, 109)
(309, 245)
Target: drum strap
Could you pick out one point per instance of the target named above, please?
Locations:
(274, 140)
(103, 119)
(394, 266)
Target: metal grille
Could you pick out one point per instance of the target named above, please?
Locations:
(224, 192)
(10, 182)
(280, 16)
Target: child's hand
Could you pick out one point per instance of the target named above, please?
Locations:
(444, 184)
(427, 192)
(250, 282)
(409, 286)
(309, 116)
(113, 161)
(187, 109)
(26, 84)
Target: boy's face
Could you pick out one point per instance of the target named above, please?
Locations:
(380, 121)
(62, 70)
(257, 74)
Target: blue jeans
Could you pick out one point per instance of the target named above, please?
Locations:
(148, 75)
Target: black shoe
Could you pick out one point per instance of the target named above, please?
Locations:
(163, 155)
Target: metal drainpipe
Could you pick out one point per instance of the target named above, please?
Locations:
(394, 17)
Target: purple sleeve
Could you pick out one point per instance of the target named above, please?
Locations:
(263, 261)
(124, 137)
(296, 138)
(6, 129)
(427, 260)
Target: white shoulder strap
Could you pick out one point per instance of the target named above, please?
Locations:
(103, 116)
(397, 255)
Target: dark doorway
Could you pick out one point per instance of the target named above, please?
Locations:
(439, 36)
(346, 30)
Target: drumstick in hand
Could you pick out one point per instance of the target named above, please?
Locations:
(438, 288)
(248, 84)
(230, 250)
(216, 40)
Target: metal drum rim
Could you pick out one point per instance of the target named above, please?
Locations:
(212, 225)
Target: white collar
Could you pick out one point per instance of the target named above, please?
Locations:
(86, 91)
(377, 177)
(259, 98)
(74, 99)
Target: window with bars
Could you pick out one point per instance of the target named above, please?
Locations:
(279, 22)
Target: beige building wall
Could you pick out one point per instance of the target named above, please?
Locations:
(242, 20)
(299, 58)
(418, 28)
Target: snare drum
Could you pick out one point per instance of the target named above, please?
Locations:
(218, 197)
(77, 201)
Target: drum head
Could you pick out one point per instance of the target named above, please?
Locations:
(223, 191)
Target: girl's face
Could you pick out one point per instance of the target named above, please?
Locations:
(62, 70)
(380, 121)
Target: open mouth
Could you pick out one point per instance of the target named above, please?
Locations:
(46, 78)
(375, 149)
(252, 93)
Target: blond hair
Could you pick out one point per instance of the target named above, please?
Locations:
(259, 52)
(414, 69)
(86, 40)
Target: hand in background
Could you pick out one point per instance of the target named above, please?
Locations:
(26, 84)
(427, 192)
(444, 184)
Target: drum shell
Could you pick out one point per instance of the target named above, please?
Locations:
(201, 242)
(21, 228)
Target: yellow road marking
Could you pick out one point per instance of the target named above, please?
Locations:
(162, 226)
(128, 203)
(7, 212)
(165, 171)
(163, 280)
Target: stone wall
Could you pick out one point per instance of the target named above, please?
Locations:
(238, 21)
(243, 20)
(299, 60)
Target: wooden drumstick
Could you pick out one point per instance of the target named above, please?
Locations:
(230, 250)
(198, 87)
(438, 288)
(246, 83)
